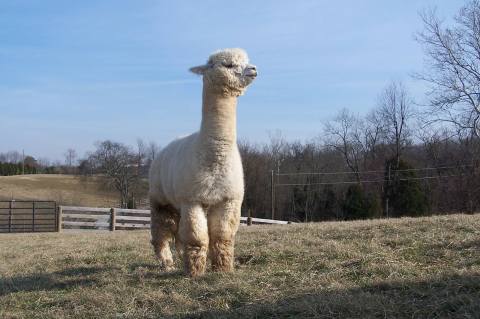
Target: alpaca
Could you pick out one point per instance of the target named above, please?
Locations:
(196, 182)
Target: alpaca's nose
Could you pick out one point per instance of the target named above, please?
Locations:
(251, 70)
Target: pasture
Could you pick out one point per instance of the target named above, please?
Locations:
(399, 268)
(64, 189)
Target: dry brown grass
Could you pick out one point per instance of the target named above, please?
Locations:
(405, 268)
(64, 189)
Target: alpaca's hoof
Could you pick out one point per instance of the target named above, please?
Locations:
(195, 274)
(222, 263)
(167, 266)
(195, 269)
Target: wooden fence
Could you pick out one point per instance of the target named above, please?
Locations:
(28, 216)
(72, 217)
(94, 218)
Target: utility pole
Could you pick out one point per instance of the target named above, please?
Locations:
(23, 162)
(273, 195)
(388, 190)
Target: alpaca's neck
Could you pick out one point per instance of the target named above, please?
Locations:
(219, 120)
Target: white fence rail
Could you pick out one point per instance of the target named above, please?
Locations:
(95, 218)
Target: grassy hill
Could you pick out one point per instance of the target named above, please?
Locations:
(65, 189)
(399, 268)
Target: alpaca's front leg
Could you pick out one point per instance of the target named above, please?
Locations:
(223, 222)
(193, 233)
(162, 227)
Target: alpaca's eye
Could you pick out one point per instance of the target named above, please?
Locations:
(228, 65)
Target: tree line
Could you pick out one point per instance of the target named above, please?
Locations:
(314, 182)
(7, 169)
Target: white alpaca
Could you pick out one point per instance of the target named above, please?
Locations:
(196, 182)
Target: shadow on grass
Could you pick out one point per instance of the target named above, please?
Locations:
(153, 271)
(66, 279)
(447, 297)
(167, 274)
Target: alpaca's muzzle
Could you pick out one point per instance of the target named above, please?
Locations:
(251, 71)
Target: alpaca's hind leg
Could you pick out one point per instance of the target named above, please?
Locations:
(193, 233)
(163, 226)
(223, 222)
(178, 246)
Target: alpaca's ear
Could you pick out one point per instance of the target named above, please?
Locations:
(199, 69)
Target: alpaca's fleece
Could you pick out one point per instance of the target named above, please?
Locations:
(196, 182)
(184, 173)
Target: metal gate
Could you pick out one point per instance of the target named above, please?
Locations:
(17, 216)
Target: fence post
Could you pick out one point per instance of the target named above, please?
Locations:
(59, 219)
(10, 205)
(249, 218)
(273, 195)
(33, 216)
(113, 219)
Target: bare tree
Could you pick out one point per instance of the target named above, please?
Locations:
(453, 67)
(276, 148)
(118, 163)
(141, 155)
(395, 109)
(152, 150)
(44, 162)
(374, 133)
(70, 157)
(345, 134)
(146, 153)
(11, 157)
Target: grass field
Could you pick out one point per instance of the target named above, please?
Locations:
(64, 189)
(403, 268)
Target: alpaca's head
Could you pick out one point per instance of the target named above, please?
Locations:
(227, 72)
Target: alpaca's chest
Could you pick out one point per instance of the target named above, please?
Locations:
(217, 181)
(228, 176)
(187, 171)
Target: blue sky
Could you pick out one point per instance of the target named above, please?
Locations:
(76, 72)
